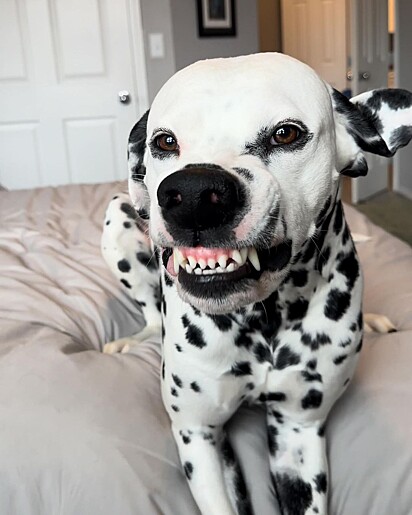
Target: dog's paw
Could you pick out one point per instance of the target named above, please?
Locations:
(377, 323)
(123, 345)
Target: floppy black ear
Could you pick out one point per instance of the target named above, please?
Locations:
(378, 121)
(137, 170)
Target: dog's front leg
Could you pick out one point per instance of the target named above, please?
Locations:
(212, 471)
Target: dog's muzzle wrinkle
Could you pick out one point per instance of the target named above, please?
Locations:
(199, 199)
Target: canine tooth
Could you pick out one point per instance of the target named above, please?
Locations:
(198, 271)
(243, 253)
(222, 261)
(211, 263)
(202, 263)
(192, 261)
(180, 257)
(254, 258)
(176, 264)
(230, 267)
(189, 269)
(237, 256)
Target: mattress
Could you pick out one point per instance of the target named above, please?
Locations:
(82, 432)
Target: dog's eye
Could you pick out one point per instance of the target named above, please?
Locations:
(166, 142)
(285, 135)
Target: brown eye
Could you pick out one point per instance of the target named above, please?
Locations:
(285, 135)
(166, 142)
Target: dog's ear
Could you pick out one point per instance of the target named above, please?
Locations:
(378, 121)
(137, 170)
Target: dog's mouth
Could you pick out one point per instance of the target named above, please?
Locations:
(211, 272)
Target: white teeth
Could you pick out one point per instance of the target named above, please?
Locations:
(244, 253)
(236, 256)
(202, 263)
(189, 269)
(176, 264)
(231, 267)
(192, 261)
(198, 271)
(222, 261)
(253, 258)
(211, 263)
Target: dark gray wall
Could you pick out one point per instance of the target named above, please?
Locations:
(403, 74)
(189, 47)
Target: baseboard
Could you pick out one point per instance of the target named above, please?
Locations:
(406, 192)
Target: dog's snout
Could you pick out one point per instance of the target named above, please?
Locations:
(200, 198)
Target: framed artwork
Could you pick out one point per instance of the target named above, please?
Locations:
(216, 18)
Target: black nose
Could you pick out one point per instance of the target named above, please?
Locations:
(200, 198)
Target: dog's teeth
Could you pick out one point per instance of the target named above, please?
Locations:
(189, 269)
(237, 256)
(198, 271)
(243, 253)
(176, 264)
(202, 263)
(222, 261)
(192, 261)
(181, 259)
(211, 263)
(253, 258)
(230, 267)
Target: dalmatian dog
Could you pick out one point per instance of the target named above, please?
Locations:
(234, 202)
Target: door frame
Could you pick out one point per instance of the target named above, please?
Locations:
(138, 51)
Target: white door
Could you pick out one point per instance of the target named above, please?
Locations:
(314, 31)
(62, 64)
(370, 66)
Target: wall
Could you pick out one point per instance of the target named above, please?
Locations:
(157, 18)
(189, 47)
(270, 27)
(403, 79)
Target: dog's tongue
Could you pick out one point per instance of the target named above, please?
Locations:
(197, 253)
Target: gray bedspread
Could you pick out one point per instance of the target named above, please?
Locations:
(82, 432)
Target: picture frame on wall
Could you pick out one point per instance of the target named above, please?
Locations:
(216, 18)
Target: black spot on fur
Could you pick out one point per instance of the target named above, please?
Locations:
(294, 494)
(359, 347)
(349, 267)
(298, 309)
(243, 339)
(250, 386)
(123, 265)
(286, 358)
(188, 468)
(108, 222)
(272, 396)
(272, 442)
(278, 416)
(175, 408)
(194, 334)
(227, 453)
(186, 439)
(141, 303)
(321, 430)
(312, 364)
(337, 304)
(246, 174)
(163, 370)
(176, 379)
(262, 353)
(223, 322)
(125, 283)
(321, 483)
(178, 347)
(352, 328)
(195, 387)
(299, 278)
(314, 342)
(127, 225)
(168, 281)
(340, 359)
(338, 222)
(241, 368)
(311, 376)
(129, 210)
(147, 260)
(313, 399)
(173, 391)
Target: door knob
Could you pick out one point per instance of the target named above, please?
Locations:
(124, 96)
(364, 76)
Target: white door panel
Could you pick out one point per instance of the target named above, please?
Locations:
(370, 56)
(59, 99)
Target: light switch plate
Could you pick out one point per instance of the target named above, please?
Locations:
(156, 45)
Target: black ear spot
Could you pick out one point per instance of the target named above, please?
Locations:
(136, 149)
(357, 168)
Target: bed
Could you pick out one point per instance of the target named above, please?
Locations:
(82, 432)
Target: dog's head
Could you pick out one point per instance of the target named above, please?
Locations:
(238, 161)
